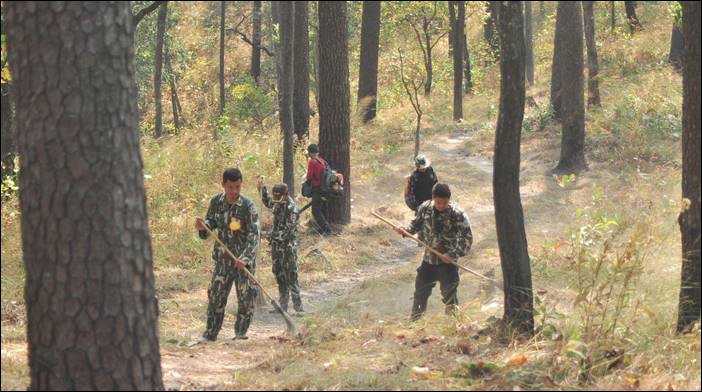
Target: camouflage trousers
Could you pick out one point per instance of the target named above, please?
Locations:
(284, 256)
(224, 275)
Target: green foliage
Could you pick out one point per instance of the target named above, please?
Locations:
(10, 183)
(250, 103)
(676, 11)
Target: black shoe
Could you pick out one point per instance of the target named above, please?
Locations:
(240, 337)
(206, 338)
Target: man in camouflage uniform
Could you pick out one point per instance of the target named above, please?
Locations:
(236, 218)
(283, 240)
(446, 229)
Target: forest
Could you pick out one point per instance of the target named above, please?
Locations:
(453, 195)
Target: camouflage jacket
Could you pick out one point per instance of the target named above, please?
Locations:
(447, 232)
(238, 228)
(284, 219)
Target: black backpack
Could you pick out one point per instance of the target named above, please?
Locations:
(331, 183)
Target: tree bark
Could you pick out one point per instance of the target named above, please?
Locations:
(529, 43)
(256, 47)
(452, 21)
(467, 77)
(571, 73)
(334, 100)
(561, 26)
(92, 312)
(593, 89)
(368, 64)
(675, 57)
(689, 219)
(158, 68)
(175, 105)
(509, 217)
(222, 15)
(489, 26)
(428, 61)
(613, 13)
(458, 63)
(8, 143)
(285, 92)
(630, 8)
(301, 97)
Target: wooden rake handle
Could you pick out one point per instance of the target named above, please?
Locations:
(432, 250)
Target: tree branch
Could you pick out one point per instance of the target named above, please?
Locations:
(146, 10)
(248, 41)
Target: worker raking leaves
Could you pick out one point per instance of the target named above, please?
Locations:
(447, 230)
(236, 219)
(283, 240)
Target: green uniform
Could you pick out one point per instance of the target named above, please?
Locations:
(238, 228)
(283, 240)
(449, 232)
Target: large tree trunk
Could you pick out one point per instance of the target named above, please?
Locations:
(285, 93)
(92, 312)
(158, 68)
(509, 217)
(301, 72)
(256, 47)
(529, 43)
(8, 142)
(593, 89)
(458, 63)
(334, 99)
(634, 24)
(368, 65)
(573, 110)
(689, 219)
(675, 57)
(556, 83)
(221, 58)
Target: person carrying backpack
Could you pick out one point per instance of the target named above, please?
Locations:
(419, 184)
(315, 170)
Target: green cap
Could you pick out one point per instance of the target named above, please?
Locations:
(420, 161)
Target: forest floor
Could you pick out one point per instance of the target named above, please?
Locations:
(356, 332)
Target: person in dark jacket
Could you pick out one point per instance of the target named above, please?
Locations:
(419, 184)
(315, 168)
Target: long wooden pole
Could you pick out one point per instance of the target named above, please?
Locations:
(432, 250)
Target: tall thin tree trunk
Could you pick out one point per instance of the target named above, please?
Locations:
(285, 94)
(458, 63)
(613, 14)
(630, 8)
(561, 26)
(675, 57)
(452, 21)
(467, 77)
(158, 68)
(256, 47)
(334, 101)
(8, 136)
(222, 15)
(489, 27)
(301, 71)
(509, 217)
(593, 89)
(92, 312)
(689, 219)
(529, 43)
(429, 64)
(571, 74)
(174, 94)
(368, 64)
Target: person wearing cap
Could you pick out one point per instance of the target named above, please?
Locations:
(419, 184)
(315, 168)
(283, 240)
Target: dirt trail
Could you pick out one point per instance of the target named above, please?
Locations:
(214, 365)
